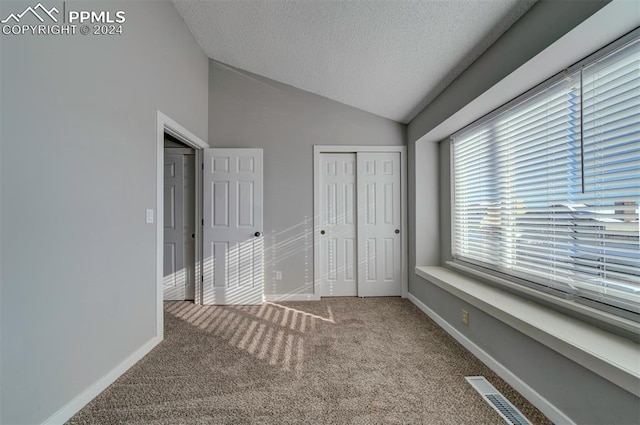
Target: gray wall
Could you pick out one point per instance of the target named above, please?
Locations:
(248, 111)
(582, 395)
(78, 143)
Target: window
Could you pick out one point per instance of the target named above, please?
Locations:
(547, 189)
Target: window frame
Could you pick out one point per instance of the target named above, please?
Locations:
(604, 316)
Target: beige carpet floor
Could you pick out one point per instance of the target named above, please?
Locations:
(337, 361)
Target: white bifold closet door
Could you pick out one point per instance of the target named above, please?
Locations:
(360, 240)
(233, 257)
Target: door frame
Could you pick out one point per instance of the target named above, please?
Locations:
(164, 124)
(320, 149)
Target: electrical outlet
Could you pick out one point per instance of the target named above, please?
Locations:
(278, 275)
(465, 317)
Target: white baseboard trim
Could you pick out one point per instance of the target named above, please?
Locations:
(71, 408)
(551, 411)
(291, 297)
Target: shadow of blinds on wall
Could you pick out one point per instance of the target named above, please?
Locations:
(547, 189)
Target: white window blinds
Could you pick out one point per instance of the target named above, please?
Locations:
(548, 189)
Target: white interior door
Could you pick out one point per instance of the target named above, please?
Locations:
(338, 225)
(175, 277)
(379, 238)
(233, 269)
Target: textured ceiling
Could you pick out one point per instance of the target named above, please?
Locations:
(387, 57)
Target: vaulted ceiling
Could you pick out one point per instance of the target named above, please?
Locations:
(387, 57)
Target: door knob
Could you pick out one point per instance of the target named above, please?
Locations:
(397, 231)
(256, 234)
(322, 232)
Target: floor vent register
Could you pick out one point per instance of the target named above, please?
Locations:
(496, 400)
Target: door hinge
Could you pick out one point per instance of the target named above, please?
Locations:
(201, 278)
(203, 221)
(202, 166)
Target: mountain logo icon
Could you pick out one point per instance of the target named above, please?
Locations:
(33, 11)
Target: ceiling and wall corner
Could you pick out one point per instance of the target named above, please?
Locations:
(389, 58)
(509, 53)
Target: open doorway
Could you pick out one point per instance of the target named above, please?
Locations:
(179, 249)
(167, 126)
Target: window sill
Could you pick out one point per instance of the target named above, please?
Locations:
(613, 357)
